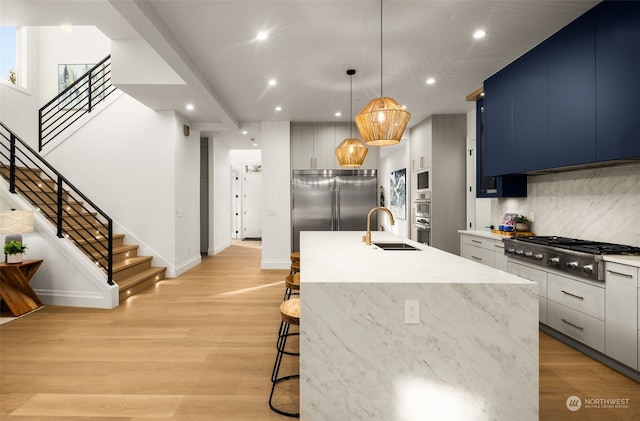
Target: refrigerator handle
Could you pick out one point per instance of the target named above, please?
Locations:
(338, 208)
(333, 210)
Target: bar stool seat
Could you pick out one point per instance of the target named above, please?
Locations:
(292, 284)
(295, 267)
(295, 256)
(290, 314)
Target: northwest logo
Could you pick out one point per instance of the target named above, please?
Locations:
(573, 403)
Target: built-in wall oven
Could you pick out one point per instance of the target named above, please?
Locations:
(422, 217)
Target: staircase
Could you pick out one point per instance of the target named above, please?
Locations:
(75, 217)
(131, 272)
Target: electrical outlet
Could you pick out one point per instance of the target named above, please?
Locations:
(411, 312)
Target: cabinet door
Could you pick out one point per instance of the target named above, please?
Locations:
(498, 124)
(530, 111)
(571, 94)
(301, 147)
(621, 331)
(500, 259)
(617, 82)
(323, 149)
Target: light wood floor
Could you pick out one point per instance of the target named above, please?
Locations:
(201, 348)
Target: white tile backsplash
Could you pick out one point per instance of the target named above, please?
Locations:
(601, 204)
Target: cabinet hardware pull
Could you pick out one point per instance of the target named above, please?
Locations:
(477, 258)
(613, 272)
(500, 246)
(476, 241)
(573, 295)
(571, 324)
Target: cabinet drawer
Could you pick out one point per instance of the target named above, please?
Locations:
(577, 295)
(500, 259)
(477, 254)
(472, 240)
(577, 325)
(542, 308)
(536, 275)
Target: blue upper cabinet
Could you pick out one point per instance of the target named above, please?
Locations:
(571, 100)
(498, 124)
(618, 80)
(529, 102)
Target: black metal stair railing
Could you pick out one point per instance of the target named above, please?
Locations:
(74, 215)
(76, 100)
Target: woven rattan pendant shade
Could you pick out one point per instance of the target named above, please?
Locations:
(351, 153)
(382, 122)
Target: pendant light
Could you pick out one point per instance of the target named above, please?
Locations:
(382, 121)
(351, 152)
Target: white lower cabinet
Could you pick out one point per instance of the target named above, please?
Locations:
(622, 319)
(538, 276)
(487, 251)
(577, 325)
(581, 296)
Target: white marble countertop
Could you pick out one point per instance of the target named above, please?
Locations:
(623, 260)
(341, 256)
(484, 234)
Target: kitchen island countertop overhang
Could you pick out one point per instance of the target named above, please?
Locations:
(473, 354)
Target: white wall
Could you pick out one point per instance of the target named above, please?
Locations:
(276, 175)
(221, 160)
(397, 160)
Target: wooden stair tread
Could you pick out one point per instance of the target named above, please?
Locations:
(139, 277)
(132, 261)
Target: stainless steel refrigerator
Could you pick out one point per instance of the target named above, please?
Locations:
(332, 200)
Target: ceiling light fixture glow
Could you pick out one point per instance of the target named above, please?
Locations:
(278, 108)
(479, 34)
(244, 132)
(262, 36)
(382, 121)
(431, 81)
(338, 114)
(190, 107)
(273, 82)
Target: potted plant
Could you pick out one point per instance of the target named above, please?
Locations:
(522, 222)
(14, 250)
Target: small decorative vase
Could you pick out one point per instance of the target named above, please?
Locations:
(14, 258)
(522, 227)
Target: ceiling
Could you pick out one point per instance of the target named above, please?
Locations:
(211, 45)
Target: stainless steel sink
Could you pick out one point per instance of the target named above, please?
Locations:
(395, 246)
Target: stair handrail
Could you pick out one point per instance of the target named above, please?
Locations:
(16, 145)
(76, 100)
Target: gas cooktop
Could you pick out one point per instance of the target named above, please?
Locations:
(583, 246)
(581, 258)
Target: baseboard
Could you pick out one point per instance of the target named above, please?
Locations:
(275, 264)
(183, 267)
(79, 298)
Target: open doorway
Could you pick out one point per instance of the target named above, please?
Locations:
(236, 204)
(252, 202)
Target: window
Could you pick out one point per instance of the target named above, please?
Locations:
(12, 55)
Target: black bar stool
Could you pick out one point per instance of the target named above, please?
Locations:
(290, 313)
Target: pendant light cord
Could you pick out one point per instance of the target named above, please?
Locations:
(381, 96)
(351, 106)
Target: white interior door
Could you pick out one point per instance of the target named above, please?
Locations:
(471, 184)
(252, 205)
(236, 204)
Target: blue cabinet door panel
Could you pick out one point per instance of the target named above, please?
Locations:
(617, 80)
(530, 112)
(571, 113)
(498, 124)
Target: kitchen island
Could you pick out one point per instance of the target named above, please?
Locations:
(473, 355)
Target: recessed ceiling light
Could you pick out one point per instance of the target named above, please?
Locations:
(255, 144)
(338, 114)
(404, 107)
(190, 107)
(479, 34)
(431, 81)
(278, 108)
(244, 132)
(262, 35)
(273, 82)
